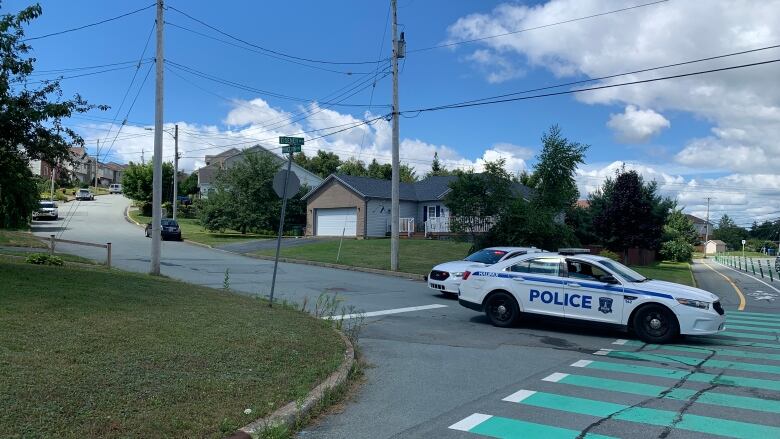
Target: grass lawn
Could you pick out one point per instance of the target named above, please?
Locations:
(677, 272)
(88, 353)
(416, 256)
(65, 257)
(18, 238)
(192, 230)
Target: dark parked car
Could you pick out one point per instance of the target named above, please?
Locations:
(777, 264)
(169, 229)
(185, 201)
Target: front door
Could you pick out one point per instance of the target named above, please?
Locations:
(538, 285)
(588, 297)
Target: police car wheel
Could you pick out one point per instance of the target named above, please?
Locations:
(655, 324)
(501, 309)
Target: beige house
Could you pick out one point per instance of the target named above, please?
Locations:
(714, 246)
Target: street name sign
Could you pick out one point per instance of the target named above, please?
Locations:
(284, 140)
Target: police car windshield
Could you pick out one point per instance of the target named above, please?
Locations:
(486, 256)
(625, 272)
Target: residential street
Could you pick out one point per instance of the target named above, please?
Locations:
(434, 371)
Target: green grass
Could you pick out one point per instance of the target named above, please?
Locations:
(87, 353)
(18, 238)
(416, 256)
(193, 231)
(677, 272)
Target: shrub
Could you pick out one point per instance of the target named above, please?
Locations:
(610, 254)
(44, 259)
(146, 209)
(677, 250)
(60, 196)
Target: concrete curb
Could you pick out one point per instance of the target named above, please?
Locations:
(295, 411)
(410, 276)
(130, 220)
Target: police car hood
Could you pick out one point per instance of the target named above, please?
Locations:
(458, 266)
(675, 290)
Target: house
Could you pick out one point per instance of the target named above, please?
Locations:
(231, 157)
(81, 166)
(360, 206)
(714, 246)
(42, 169)
(703, 228)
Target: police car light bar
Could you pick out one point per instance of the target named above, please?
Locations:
(573, 251)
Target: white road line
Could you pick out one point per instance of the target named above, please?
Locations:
(555, 377)
(385, 312)
(581, 363)
(752, 277)
(470, 422)
(602, 352)
(620, 341)
(519, 395)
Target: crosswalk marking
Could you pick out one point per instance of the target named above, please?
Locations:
(505, 428)
(712, 341)
(754, 328)
(470, 422)
(738, 334)
(776, 316)
(697, 423)
(712, 398)
(691, 361)
(555, 377)
(705, 351)
(757, 319)
(519, 396)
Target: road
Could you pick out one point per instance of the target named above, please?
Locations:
(446, 372)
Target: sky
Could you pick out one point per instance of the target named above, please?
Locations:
(299, 66)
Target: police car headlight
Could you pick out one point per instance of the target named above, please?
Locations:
(458, 274)
(694, 303)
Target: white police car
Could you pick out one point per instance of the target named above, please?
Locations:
(446, 277)
(590, 289)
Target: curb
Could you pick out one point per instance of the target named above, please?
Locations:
(410, 276)
(294, 411)
(130, 220)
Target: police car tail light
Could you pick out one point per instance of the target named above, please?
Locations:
(694, 303)
(466, 275)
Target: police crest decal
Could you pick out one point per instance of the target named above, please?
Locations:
(605, 305)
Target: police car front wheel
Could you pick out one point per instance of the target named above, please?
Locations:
(655, 324)
(501, 309)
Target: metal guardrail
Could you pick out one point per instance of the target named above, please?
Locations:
(53, 240)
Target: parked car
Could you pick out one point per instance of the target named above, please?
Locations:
(46, 209)
(590, 290)
(169, 229)
(777, 264)
(84, 194)
(446, 277)
(115, 188)
(184, 200)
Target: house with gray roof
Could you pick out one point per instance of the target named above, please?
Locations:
(346, 205)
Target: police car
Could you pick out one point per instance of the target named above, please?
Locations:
(590, 288)
(446, 277)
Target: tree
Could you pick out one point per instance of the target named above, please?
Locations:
(137, 181)
(729, 232)
(553, 176)
(679, 237)
(437, 168)
(526, 224)
(190, 185)
(375, 170)
(323, 164)
(354, 167)
(30, 122)
(628, 213)
(476, 200)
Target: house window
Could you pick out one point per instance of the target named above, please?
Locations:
(431, 211)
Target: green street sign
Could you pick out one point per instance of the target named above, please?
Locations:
(284, 140)
(289, 149)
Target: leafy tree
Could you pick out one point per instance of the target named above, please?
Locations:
(526, 224)
(323, 164)
(767, 230)
(354, 167)
(729, 232)
(553, 176)
(190, 185)
(627, 212)
(678, 226)
(30, 121)
(580, 221)
(137, 181)
(377, 170)
(476, 200)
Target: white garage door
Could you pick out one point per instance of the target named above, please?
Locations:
(334, 222)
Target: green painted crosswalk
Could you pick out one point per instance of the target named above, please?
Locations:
(726, 380)
(692, 361)
(706, 351)
(707, 342)
(712, 398)
(775, 316)
(505, 428)
(729, 333)
(602, 409)
(771, 324)
(754, 328)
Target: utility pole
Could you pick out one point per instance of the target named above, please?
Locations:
(395, 216)
(97, 155)
(143, 162)
(175, 168)
(158, 147)
(707, 228)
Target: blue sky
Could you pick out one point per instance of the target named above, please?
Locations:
(669, 136)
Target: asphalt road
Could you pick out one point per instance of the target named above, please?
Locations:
(446, 372)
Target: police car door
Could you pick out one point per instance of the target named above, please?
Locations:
(538, 285)
(587, 297)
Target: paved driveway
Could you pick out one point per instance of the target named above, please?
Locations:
(444, 371)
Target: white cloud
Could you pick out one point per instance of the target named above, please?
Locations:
(498, 68)
(635, 125)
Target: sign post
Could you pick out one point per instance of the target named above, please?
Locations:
(293, 145)
(743, 249)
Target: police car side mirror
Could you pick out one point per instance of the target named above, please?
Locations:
(609, 279)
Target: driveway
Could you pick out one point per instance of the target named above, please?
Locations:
(441, 370)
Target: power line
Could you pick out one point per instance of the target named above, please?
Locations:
(60, 78)
(73, 69)
(89, 25)
(376, 72)
(473, 40)
(486, 101)
(265, 49)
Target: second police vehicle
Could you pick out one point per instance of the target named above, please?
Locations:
(591, 289)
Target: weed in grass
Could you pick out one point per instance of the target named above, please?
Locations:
(226, 280)
(44, 259)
